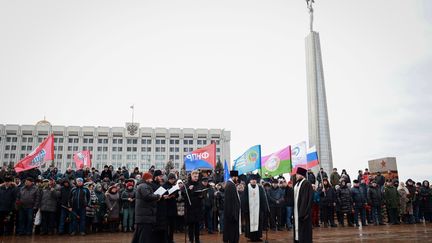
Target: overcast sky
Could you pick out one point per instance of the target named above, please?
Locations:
(234, 64)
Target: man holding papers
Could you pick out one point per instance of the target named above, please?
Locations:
(194, 209)
(160, 229)
(171, 186)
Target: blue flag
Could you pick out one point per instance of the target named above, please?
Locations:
(226, 172)
(249, 161)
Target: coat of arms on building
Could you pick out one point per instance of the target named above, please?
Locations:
(132, 129)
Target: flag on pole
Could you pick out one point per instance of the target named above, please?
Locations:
(276, 163)
(298, 155)
(249, 161)
(82, 159)
(226, 172)
(203, 158)
(312, 158)
(43, 153)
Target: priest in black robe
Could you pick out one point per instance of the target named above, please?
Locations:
(232, 218)
(254, 209)
(303, 195)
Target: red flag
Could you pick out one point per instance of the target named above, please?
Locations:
(82, 159)
(203, 158)
(43, 153)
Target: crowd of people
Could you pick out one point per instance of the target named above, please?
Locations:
(87, 201)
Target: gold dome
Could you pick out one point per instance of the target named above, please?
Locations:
(43, 123)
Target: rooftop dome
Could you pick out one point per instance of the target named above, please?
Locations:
(43, 123)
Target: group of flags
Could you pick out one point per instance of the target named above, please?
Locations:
(286, 160)
(45, 152)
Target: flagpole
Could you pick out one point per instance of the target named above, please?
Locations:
(133, 111)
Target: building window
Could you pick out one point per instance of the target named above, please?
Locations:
(7, 147)
(24, 148)
(12, 156)
(24, 140)
(6, 156)
(69, 156)
(29, 148)
(30, 140)
(218, 150)
(14, 139)
(13, 147)
(132, 141)
(114, 149)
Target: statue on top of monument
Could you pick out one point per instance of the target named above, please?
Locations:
(310, 7)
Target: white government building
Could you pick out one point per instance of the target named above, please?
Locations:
(131, 146)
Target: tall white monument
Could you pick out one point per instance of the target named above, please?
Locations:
(319, 133)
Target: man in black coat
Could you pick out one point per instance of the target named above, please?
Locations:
(303, 196)
(375, 200)
(208, 205)
(145, 210)
(232, 226)
(254, 207)
(106, 173)
(171, 204)
(160, 229)
(8, 191)
(327, 203)
(194, 207)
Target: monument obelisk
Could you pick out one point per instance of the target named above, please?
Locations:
(318, 124)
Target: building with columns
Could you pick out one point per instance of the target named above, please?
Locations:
(131, 146)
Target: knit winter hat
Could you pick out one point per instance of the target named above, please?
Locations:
(147, 176)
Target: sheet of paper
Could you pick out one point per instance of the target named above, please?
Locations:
(173, 189)
(160, 191)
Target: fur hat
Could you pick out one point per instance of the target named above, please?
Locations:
(157, 173)
(301, 171)
(233, 173)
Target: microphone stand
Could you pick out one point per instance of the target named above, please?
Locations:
(190, 204)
